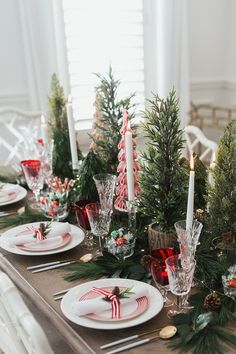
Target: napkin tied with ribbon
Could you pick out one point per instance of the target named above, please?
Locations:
(98, 304)
(27, 235)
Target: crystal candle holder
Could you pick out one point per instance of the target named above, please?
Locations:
(188, 239)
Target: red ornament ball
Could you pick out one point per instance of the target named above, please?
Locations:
(121, 241)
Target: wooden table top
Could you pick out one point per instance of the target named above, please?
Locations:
(39, 288)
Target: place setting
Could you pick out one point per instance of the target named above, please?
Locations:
(111, 303)
(11, 193)
(41, 238)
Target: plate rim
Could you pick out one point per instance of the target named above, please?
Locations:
(83, 321)
(75, 241)
(21, 195)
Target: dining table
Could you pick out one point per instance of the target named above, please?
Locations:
(39, 289)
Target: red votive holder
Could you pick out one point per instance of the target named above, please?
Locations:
(158, 266)
(81, 213)
(31, 167)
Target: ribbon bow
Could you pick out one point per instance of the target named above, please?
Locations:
(114, 299)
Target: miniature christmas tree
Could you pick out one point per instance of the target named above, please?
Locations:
(222, 193)
(85, 186)
(106, 135)
(62, 166)
(122, 191)
(163, 179)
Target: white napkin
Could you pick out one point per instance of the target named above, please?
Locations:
(59, 229)
(97, 305)
(8, 192)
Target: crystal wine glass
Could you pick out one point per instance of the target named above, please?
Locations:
(105, 184)
(82, 220)
(34, 177)
(180, 281)
(100, 221)
(46, 160)
(159, 272)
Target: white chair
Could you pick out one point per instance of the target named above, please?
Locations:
(16, 129)
(194, 136)
(20, 333)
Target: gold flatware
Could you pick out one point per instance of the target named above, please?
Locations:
(166, 333)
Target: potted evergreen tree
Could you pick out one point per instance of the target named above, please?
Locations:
(163, 178)
(222, 192)
(106, 134)
(62, 166)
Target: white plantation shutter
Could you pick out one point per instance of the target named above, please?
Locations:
(100, 33)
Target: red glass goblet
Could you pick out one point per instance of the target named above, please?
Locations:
(159, 272)
(82, 220)
(33, 175)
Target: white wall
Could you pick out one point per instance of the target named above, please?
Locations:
(28, 52)
(212, 52)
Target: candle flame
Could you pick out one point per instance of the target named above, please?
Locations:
(192, 163)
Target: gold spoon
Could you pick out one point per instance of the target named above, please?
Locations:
(166, 332)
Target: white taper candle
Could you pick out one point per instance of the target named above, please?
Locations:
(190, 205)
(44, 129)
(72, 135)
(129, 163)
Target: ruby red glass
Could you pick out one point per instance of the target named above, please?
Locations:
(158, 266)
(81, 213)
(31, 167)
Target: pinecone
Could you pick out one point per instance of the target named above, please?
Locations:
(116, 291)
(212, 301)
(145, 261)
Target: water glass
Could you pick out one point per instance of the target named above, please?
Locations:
(180, 281)
(99, 221)
(83, 221)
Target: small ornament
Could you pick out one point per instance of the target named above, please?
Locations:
(232, 283)
(212, 301)
(121, 241)
(145, 261)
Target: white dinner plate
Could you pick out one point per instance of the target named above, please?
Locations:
(77, 236)
(20, 194)
(155, 304)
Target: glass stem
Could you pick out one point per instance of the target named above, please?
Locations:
(36, 194)
(100, 243)
(180, 301)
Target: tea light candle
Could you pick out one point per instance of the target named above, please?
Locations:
(189, 218)
(129, 162)
(72, 135)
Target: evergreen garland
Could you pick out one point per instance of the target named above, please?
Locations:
(202, 331)
(222, 195)
(110, 121)
(62, 166)
(163, 178)
(108, 265)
